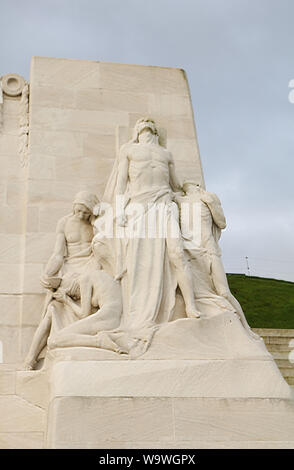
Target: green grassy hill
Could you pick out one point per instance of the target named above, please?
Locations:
(267, 303)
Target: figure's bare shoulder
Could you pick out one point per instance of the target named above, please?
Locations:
(168, 155)
(126, 149)
(61, 224)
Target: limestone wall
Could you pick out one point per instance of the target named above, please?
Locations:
(23, 403)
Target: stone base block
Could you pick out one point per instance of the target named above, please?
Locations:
(153, 404)
(234, 378)
(164, 422)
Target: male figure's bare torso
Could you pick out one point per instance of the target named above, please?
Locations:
(78, 234)
(148, 167)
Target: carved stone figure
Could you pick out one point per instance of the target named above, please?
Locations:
(96, 289)
(74, 233)
(116, 292)
(150, 267)
(207, 256)
(72, 255)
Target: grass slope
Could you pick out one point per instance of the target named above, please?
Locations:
(267, 303)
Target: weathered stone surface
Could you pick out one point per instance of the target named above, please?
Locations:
(203, 378)
(76, 119)
(10, 166)
(106, 100)
(9, 337)
(17, 415)
(52, 96)
(71, 169)
(115, 419)
(31, 282)
(56, 143)
(169, 105)
(33, 387)
(64, 72)
(7, 382)
(42, 166)
(32, 223)
(155, 80)
(38, 247)
(26, 336)
(9, 310)
(21, 440)
(32, 308)
(11, 220)
(8, 145)
(170, 423)
(234, 420)
(99, 146)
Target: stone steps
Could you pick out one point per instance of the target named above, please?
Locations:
(276, 348)
(280, 356)
(280, 343)
(268, 332)
(285, 340)
(283, 363)
(287, 371)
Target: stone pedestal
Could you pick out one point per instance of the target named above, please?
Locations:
(102, 405)
(234, 398)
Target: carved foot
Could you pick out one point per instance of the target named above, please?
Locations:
(29, 364)
(192, 312)
(104, 341)
(52, 343)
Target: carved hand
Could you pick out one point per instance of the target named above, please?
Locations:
(207, 198)
(50, 282)
(60, 296)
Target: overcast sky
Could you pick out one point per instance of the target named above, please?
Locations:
(239, 58)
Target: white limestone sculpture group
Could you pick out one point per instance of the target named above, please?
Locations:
(113, 289)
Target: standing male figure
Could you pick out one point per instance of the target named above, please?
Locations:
(208, 253)
(154, 267)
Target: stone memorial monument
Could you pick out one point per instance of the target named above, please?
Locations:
(132, 338)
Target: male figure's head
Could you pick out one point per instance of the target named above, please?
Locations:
(83, 205)
(145, 130)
